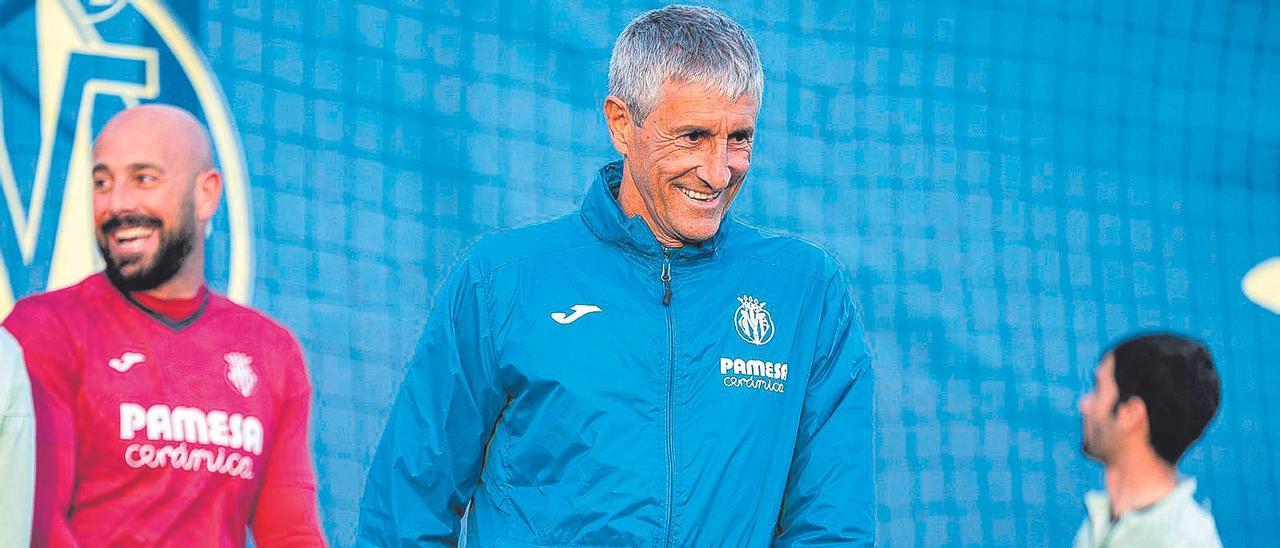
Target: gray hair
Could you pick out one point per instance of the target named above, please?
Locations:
(682, 44)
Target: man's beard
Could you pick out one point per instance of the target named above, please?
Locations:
(170, 255)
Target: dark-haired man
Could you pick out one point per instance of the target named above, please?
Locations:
(1153, 396)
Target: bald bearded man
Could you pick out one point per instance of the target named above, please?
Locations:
(166, 414)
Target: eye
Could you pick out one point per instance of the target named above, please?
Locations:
(740, 139)
(694, 137)
(147, 179)
(101, 183)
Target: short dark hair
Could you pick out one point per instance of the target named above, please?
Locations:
(1175, 377)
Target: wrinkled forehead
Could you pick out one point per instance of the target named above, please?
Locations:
(690, 101)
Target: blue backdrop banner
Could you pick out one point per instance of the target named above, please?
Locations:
(1012, 185)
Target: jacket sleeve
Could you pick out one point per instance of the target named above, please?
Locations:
(285, 512)
(830, 492)
(428, 461)
(17, 445)
(55, 383)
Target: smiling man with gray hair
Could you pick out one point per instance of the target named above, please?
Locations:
(647, 371)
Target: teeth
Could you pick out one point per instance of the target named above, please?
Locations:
(700, 196)
(133, 233)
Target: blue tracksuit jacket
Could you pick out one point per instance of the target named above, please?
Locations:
(580, 385)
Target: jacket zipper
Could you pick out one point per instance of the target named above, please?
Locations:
(666, 278)
(671, 373)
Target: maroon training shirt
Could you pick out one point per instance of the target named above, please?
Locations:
(161, 423)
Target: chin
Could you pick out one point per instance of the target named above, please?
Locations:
(696, 237)
(132, 266)
(1093, 453)
(701, 232)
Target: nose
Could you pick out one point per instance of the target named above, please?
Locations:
(1085, 402)
(714, 170)
(116, 198)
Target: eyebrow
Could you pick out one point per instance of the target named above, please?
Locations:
(132, 167)
(692, 128)
(142, 166)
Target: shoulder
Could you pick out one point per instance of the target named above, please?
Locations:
(268, 344)
(494, 252)
(10, 352)
(1195, 525)
(252, 322)
(61, 301)
(781, 251)
(15, 388)
(55, 315)
(9, 349)
(1081, 540)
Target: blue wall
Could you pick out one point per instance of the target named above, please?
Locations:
(1013, 186)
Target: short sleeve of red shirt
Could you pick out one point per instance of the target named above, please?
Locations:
(290, 462)
(286, 511)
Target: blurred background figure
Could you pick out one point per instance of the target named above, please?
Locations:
(17, 445)
(1153, 396)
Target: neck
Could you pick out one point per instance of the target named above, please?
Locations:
(174, 292)
(1138, 480)
(632, 204)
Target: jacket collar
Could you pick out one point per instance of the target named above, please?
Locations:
(604, 217)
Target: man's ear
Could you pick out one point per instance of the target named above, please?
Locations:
(208, 193)
(618, 117)
(1132, 415)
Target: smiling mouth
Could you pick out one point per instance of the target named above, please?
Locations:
(701, 196)
(129, 239)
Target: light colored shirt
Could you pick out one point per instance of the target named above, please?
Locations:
(1176, 520)
(17, 446)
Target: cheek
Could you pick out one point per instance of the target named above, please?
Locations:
(100, 208)
(740, 160)
(669, 161)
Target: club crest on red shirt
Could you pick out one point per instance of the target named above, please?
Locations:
(240, 373)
